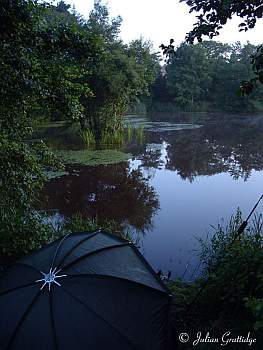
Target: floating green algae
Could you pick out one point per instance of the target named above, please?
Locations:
(92, 157)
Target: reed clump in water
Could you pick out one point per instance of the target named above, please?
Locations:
(88, 137)
(139, 132)
(116, 138)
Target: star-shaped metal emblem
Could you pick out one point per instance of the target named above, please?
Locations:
(50, 278)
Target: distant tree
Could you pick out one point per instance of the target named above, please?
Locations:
(213, 15)
(147, 67)
(206, 77)
(147, 62)
(229, 66)
(99, 23)
(121, 74)
(160, 91)
(188, 76)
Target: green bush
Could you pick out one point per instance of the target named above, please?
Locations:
(79, 224)
(238, 262)
(28, 233)
(36, 230)
(231, 287)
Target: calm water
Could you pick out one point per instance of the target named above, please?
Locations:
(180, 180)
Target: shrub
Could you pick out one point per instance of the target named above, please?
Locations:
(231, 287)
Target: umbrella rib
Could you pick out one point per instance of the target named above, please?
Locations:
(102, 318)
(76, 245)
(16, 288)
(21, 321)
(57, 249)
(94, 252)
(95, 275)
(27, 265)
(53, 327)
(149, 267)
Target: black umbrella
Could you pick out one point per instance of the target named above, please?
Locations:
(87, 291)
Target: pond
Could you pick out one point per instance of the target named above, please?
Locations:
(169, 187)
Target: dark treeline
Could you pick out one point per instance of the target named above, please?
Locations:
(206, 77)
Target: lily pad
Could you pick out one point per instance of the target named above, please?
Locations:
(91, 157)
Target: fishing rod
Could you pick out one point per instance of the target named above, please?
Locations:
(237, 235)
(244, 223)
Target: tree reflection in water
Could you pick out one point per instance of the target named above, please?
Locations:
(120, 193)
(212, 150)
(112, 192)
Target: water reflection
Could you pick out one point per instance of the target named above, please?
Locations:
(112, 192)
(208, 151)
(213, 150)
(150, 193)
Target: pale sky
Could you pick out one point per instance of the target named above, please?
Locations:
(161, 20)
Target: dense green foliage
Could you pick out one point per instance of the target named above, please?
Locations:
(234, 289)
(206, 77)
(213, 15)
(118, 76)
(20, 86)
(56, 65)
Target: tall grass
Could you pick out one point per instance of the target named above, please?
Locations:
(119, 137)
(116, 138)
(139, 132)
(88, 137)
(129, 131)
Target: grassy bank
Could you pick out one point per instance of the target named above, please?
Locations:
(228, 297)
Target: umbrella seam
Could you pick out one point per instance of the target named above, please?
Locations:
(16, 288)
(53, 327)
(102, 318)
(93, 234)
(57, 249)
(95, 252)
(91, 275)
(150, 269)
(27, 265)
(12, 338)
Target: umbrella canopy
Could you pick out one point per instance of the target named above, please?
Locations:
(85, 291)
